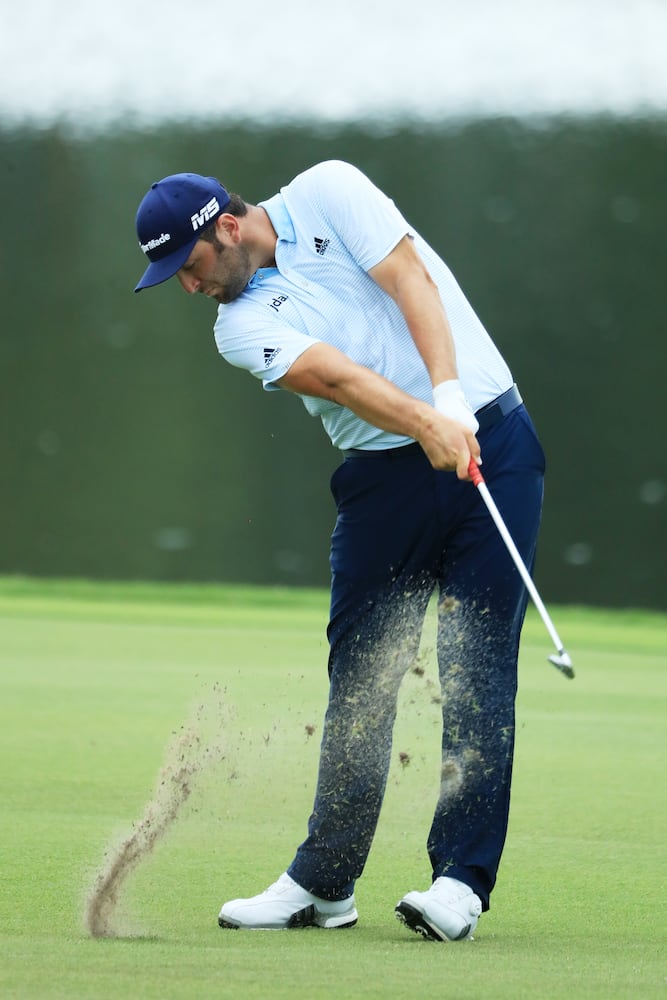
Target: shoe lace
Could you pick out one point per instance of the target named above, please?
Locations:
(279, 887)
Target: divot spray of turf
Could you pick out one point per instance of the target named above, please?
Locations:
(187, 755)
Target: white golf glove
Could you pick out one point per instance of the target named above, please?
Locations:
(449, 399)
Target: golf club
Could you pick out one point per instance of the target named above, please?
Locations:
(561, 659)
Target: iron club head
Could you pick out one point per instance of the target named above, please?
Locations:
(561, 660)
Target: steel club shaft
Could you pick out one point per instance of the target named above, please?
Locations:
(562, 659)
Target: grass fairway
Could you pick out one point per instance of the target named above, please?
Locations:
(97, 680)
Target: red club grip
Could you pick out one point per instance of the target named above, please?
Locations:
(475, 474)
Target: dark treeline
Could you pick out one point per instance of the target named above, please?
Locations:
(130, 450)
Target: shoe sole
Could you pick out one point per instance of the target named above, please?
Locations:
(302, 919)
(415, 921)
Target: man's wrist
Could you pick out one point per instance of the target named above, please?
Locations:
(449, 399)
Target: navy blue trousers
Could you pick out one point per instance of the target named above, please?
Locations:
(403, 532)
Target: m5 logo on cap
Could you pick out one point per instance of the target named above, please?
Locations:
(201, 217)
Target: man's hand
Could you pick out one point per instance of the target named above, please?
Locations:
(448, 444)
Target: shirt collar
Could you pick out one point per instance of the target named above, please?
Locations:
(280, 218)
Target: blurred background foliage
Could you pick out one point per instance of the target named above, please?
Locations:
(130, 450)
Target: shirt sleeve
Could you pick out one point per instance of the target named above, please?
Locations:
(264, 348)
(366, 220)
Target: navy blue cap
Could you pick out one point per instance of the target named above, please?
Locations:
(170, 219)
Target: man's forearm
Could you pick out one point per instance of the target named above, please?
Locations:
(381, 403)
(420, 303)
(327, 373)
(404, 277)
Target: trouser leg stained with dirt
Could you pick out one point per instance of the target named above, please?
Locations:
(481, 612)
(367, 665)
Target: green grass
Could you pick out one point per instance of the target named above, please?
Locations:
(95, 680)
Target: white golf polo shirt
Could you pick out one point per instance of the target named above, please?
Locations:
(333, 225)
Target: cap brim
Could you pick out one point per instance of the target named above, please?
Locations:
(161, 270)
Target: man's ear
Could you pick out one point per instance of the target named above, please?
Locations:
(228, 225)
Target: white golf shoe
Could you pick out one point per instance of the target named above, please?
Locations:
(284, 906)
(448, 911)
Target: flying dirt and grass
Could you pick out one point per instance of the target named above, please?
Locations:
(159, 748)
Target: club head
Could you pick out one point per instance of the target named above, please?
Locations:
(561, 660)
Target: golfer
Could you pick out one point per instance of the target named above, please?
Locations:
(326, 291)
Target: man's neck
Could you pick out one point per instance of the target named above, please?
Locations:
(261, 237)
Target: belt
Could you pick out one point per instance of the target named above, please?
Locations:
(490, 414)
(498, 408)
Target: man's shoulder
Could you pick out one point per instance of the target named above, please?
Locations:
(249, 301)
(327, 167)
(325, 174)
(257, 307)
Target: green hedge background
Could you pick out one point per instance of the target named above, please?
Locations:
(131, 451)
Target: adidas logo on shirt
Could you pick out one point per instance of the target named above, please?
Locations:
(270, 354)
(321, 245)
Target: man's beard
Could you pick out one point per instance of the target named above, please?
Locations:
(238, 271)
